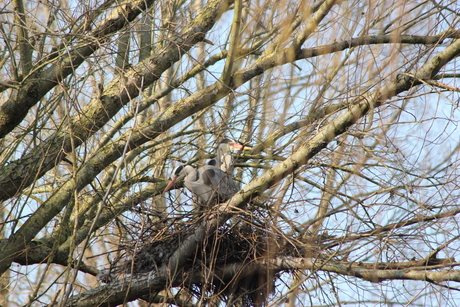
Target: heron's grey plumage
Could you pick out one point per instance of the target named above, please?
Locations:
(222, 183)
(209, 184)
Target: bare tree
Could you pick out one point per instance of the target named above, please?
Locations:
(349, 195)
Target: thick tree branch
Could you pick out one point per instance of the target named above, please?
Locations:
(39, 253)
(137, 285)
(394, 226)
(375, 40)
(372, 275)
(25, 49)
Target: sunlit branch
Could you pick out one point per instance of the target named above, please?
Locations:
(394, 226)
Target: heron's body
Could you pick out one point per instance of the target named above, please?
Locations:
(209, 184)
(223, 186)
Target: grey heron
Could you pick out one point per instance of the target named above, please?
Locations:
(209, 184)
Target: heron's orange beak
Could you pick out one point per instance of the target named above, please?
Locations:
(240, 146)
(170, 184)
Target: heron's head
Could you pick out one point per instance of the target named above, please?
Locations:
(177, 174)
(226, 145)
(177, 171)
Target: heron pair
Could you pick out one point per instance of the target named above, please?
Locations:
(210, 184)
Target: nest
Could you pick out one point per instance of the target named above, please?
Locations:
(230, 244)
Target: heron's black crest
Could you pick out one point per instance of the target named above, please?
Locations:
(226, 141)
(212, 162)
(178, 169)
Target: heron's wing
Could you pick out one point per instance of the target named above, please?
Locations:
(199, 185)
(227, 187)
(221, 183)
(209, 177)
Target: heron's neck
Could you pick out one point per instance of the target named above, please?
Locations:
(227, 163)
(190, 173)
